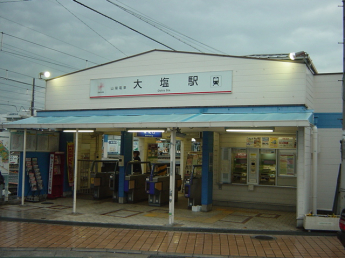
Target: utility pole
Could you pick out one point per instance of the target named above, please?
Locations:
(342, 172)
(33, 97)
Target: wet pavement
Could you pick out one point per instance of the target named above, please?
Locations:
(141, 214)
(107, 229)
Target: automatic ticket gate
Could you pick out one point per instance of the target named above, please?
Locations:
(193, 187)
(135, 180)
(158, 184)
(104, 178)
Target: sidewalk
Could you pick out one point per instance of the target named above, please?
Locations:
(34, 237)
(105, 227)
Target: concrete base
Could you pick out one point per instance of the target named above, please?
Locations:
(122, 200)
(207, 207)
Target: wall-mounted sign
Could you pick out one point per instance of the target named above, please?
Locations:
(164, 84)
(149, 134)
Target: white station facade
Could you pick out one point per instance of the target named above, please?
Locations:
(293, 167)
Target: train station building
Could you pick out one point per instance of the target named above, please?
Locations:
(264, 129)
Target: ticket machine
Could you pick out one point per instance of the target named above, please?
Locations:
(158, 184)
(104, 174)
(135, 180)
(193, 187)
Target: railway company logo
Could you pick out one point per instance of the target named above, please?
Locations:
(100, 88)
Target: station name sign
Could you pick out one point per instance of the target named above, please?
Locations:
(164, 84)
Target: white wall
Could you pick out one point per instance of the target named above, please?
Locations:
(329, 159)
(255, 82)
(328, 92)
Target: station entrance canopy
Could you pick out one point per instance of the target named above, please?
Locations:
(209, 120)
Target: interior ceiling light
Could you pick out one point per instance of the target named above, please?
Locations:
(145, 130)
(79, 131)
(250, 130)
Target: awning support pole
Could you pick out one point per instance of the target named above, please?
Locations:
(23, 168)
(172, 176)
(75, 172)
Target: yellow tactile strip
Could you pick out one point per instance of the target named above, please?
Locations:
(32, 235)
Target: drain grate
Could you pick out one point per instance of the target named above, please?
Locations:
(264, 237)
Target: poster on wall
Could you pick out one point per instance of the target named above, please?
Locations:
(273, 142)
(257, 142)
(287, 165)
(265, 142)
(286, 142)
(152, 151)
(114, 146)
(70, 163)
(250, 142)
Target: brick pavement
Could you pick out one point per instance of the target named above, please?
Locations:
(36, 236)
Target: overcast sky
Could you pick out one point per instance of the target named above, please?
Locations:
(60, 35)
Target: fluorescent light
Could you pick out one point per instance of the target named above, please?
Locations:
(251, 130)
(145, 130)
(79, 131)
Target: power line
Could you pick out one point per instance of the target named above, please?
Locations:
(3, 78)
(47, 47)
(54, 38)
(61, 64)
(13, 1)
(146, 21)
(91, 28)
(9, 52)
(123, 24)
(14, 72)
(30, 61)
(152, 22)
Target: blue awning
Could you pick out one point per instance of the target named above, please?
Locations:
(173, 120)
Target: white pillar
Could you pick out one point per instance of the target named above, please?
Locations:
(315, 147)
(75, 172)
(23, 168)
(172, 176)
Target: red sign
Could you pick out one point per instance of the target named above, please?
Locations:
(70, 163)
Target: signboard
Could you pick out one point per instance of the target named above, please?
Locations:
(149, 134)
(70, 163)
(114, 147)
(164, 84)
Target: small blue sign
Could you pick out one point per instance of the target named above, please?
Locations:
(150, 134)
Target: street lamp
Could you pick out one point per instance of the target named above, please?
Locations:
(294, 55)
(46, 74)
